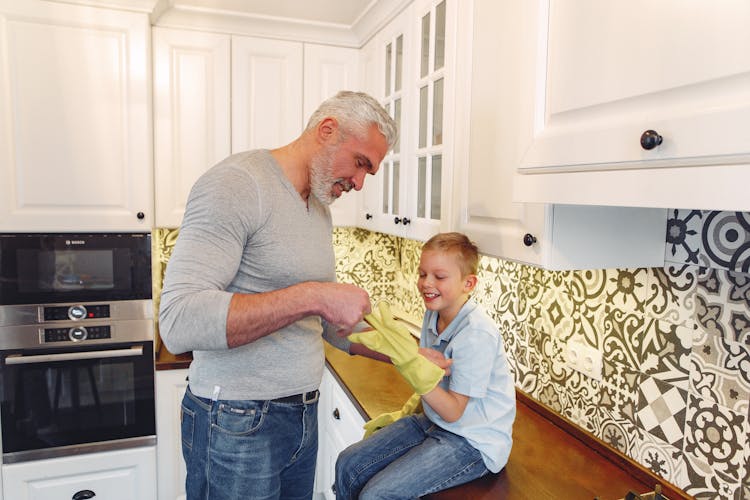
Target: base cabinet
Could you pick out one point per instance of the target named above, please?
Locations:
(339, 425)
(170, 388)
(112, 475)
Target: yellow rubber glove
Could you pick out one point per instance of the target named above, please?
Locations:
(412, 405)
(395, 341)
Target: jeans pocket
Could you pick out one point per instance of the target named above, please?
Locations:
(187, 426)
(239, 420)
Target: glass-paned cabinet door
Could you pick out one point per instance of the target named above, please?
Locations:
(393, 103)
(430, 90)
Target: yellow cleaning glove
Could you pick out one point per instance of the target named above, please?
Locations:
(395, 341)
(412, 405)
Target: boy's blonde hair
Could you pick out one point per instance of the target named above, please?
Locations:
(458, 244)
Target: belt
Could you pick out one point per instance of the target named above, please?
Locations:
(306, 398)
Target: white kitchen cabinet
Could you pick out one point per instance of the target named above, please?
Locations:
(605, 74)
(494, 126)
(327, 70)
(266, 92)
(112, 475)
(215, 95)
(339, 425)
(171, 473)
(415, 60)
(191, 114)
(75, 118)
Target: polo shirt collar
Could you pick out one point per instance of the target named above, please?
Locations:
(453, 327)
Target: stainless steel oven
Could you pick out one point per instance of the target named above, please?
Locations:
(76, 367)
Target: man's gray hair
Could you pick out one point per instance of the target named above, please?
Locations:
(356, 112)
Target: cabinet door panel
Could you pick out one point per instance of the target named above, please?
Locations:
(191, 110)
(116, 475)
(75, 120)
(266, 92)
(615, 70)
(327, 71)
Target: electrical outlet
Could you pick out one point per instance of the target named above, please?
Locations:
(585, 359)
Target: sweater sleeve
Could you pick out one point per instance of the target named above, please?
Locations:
(195, 297)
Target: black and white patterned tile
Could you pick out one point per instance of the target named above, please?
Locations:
(684, 237)
(661, 409)
(664, 352)
(717, 436)
(723, 304)
(671, 294)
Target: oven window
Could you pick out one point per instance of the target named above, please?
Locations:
(49, 404)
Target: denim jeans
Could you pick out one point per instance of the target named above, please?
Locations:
(407, 459)
(248, 449)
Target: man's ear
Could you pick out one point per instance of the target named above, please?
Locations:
(470, 282)
(327, 129)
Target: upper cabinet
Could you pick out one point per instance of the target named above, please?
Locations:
(75, 118)
(494, 126)
(191, 114)
(412, 62)
(217, 94)
(639, 104)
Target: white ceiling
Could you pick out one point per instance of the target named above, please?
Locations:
(343, 12)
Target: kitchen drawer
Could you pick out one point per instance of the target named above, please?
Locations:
(345, 420)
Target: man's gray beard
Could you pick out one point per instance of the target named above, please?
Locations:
(321, 178)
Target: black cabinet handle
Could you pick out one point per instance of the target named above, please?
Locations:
(650, 139)
(83, 495)
(336, 414)
(368, 216)
(529, 239)
(140, 216)
(405, 221)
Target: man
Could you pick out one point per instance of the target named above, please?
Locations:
(250, 287)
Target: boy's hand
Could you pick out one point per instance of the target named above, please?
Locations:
(395, 341)
(438, 358)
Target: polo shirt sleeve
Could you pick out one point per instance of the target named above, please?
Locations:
(473, 352)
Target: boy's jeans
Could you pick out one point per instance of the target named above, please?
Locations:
(248, 449)
(407, 459)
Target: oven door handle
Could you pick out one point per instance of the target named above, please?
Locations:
(22, 359)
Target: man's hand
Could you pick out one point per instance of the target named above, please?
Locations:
(342, 304)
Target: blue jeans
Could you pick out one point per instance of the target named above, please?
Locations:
(407, 459)
(248, 449)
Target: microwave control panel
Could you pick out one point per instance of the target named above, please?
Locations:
(76, 312)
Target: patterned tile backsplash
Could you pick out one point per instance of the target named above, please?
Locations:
(675, 391)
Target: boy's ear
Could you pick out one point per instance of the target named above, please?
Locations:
(470, 282)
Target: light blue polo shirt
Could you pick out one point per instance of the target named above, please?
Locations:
(480, 370)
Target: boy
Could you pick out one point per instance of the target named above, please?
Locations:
(465, 430)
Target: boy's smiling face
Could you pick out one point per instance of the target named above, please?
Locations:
(444, 288)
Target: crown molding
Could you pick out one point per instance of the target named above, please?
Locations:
(145, 6)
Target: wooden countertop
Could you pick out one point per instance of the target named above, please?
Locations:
(551, 458)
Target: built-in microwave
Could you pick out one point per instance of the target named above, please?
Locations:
(47, 268)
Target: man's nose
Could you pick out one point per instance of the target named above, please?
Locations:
(359, 180)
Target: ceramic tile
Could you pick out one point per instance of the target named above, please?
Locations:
(723, 304)
(717, 436)
(701, 480)
(684, 237)
(622, 335)
(725, 238)
(664, 352)
(671, 294)
(720, 371)
(659, 457)
(661, 409)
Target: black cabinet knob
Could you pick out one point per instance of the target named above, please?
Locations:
(650, 139)
(83, 495)
(140, 215)
(336, 414)
(368, 216)
(405, 221)
(529, 239)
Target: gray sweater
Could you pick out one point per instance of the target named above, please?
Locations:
(247, 230)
